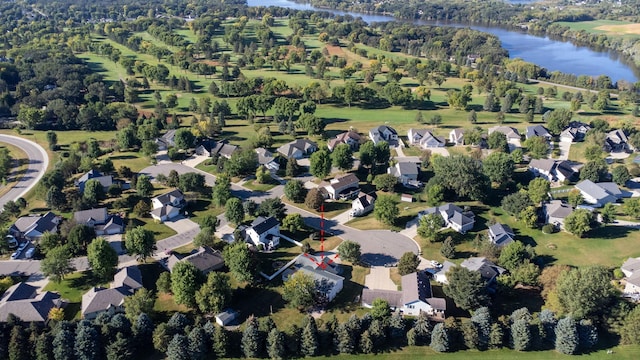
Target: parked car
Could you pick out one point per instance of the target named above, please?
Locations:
(436, 264)
(15, 255)
(23, 246)
(29, 253)
(11, 241)
(391, 264)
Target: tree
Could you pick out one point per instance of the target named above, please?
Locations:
(498, 141)
(515, 203)
(621, 175)
(558, 120)
(630, 328)
(292, 167)
(185, 281)
(314, 199)
(538, 190)
(608, 213)
(575, 197)
(498, 166)
(52, 139)
(567, 339)
(408, 263)
(178, 348)
(142, 208)
(184, 139)
(295, 191)
(429, 225)
(191, 181)
(595, 171)
(272, 207)
(240, 262)
(263, 176)
(17, 341)
(435, 194)
(466, 288)
(350, 251)
(164, 282)
(472, 117)
(632, 208)
(585, 291)
(380, 310)
(102, 258)
(126, 138)
(521, 335)
(515, 254)
(63, 343)
(342, 157)
(93, 191)
(215, 294)
(293, 223)
(537, 147)
(312, 124)
(198, 344)
(439, 338)
(79, 238)
(140, 242)
(57, 263)
(448, 249)
(140, 303)
(385, 182)
(368, 153)
(144, 188)
(386, 209)
(86, 344)
(578, 222)
(320, 164)
(276, 345)
(250, 344)
(234, 212)
(593, 152)
(460, 174)
(309, 339)
(382, 153)
(55, 198)
(221, 191)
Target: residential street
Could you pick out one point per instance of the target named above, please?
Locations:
(38, 162)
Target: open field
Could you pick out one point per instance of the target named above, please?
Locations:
(608, 27)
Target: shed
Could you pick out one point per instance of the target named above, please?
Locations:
(406, 197)
(226, 317)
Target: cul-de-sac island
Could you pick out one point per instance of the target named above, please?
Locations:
(189, 179)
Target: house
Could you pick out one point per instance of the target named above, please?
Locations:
(204, 259)
(487, 269)
(264, 231)
(166, 141)
(508, 131)
(164, 213)
(350, 138)
(383, 133)
(538, 130)
(266, 159)
(111, 300)
(599, 194)
(425, 139)
(456, 136)
(174, 197)
(576, 131)
(363, 204)
(415, 297)
(298, 149)
(406, 173)
(454, 217)
(555, 211)
(322, 270)
(440, 275)
(553, 170)
(631, 270)
(102, 222)
(23, 301)
(32, 227)
(616, 141)
(105, 180)
(501, 235)
(226, 317)
(213, 148)
(343, 187)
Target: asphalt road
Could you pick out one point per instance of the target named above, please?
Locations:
(38, 162)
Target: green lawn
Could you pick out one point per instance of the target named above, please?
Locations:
(408, 211)
(614, 28)
(331, 209)
(253, 185)
(72, 288)
(160, 231)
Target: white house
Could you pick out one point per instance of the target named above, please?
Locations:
(406, 172)
(322, 270)
(454, 217)
(599, 194)
(576, 131)
(553, 170)
(350, 138)
(383, 133)
(510, 132)
(425, 139)
(343, 187)
(164, 213)
(631, 270)
(264, 231)
(501, 235)
(363, 204)
(266, 159)
(555, 212)
(32, 227)
(105, 180)
(298, 149)
(174, 198)
(456, 136)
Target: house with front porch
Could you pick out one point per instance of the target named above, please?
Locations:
(264, 231)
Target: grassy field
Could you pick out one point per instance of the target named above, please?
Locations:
(609, 27)
(408, 211)
(160, 231)
(72, 288)
(253, 185)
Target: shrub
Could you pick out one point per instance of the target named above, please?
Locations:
(548, 229)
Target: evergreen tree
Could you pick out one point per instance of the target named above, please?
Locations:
(496, 337)
(293, 340)
(275, 345)
(439, 338)
(397, 328)
(251, 339)
(344, 339)
(17, 344)
(520, 335)
(87, 345)
(63, 344)
(470, 335)
(120, 348)
(588, 334)
(143, 332)
(198, 344)
(567, 339)
(178, 348)
(448, 249)
(309, 340)
(292, 167)
(378, 334)
(44, 347)
(366, 344)
(547, 326)
(482, 320)
(422, 330)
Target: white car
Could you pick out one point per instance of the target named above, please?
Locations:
(29, 253)
(436, 264)
(15, 255)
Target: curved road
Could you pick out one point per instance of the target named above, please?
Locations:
(38, 163)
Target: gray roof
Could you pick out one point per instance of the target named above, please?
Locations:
(458, 132)
(617, 137)
(445, 267)
(264, 156)
(599, 191)
(417, 287)
(204, 259)
(27, 307)
(487, 269)
(226, 316)
(365, 200)
(224, 149)
(170, 196)
(406, 168)
(546, 165)
(383, 128)
(98, 215)
(162, 211)
(454, 213)
(40, 223)
(501, 234)
(631, 265)
(101, 299)
(91, 174)
(261, 224)
(319, 274)
(511, 133)
(557, 209)
(129, 276)
(299, 144)
(537, 130)
(392, 297)
(345, 181)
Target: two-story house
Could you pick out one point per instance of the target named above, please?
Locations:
(383, 133)
(264, 231)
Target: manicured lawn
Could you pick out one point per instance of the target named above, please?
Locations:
(134, 160)
(272, 261)
(160, 231)
(253, 185)
(331, 209)
(408, 211)
(72, 288)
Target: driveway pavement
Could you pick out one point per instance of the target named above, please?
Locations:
(565, 147)
(38, 162)
(343, 218)
(181, 224)
(379, 279)
(196, 160)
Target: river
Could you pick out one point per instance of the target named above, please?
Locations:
(554, 55)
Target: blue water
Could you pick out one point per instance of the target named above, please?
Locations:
(554, 55)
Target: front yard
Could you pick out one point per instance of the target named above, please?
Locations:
(72, 288)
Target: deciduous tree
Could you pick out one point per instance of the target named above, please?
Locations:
(350, 251)
(240, 262)
(386, 209)
(57, 264)
(185, 281)
(466, 288)
(102, 258)
(140, 242)
(214, 294)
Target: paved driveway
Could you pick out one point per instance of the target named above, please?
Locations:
(379, 279)
(565, 147)
(181, 224)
